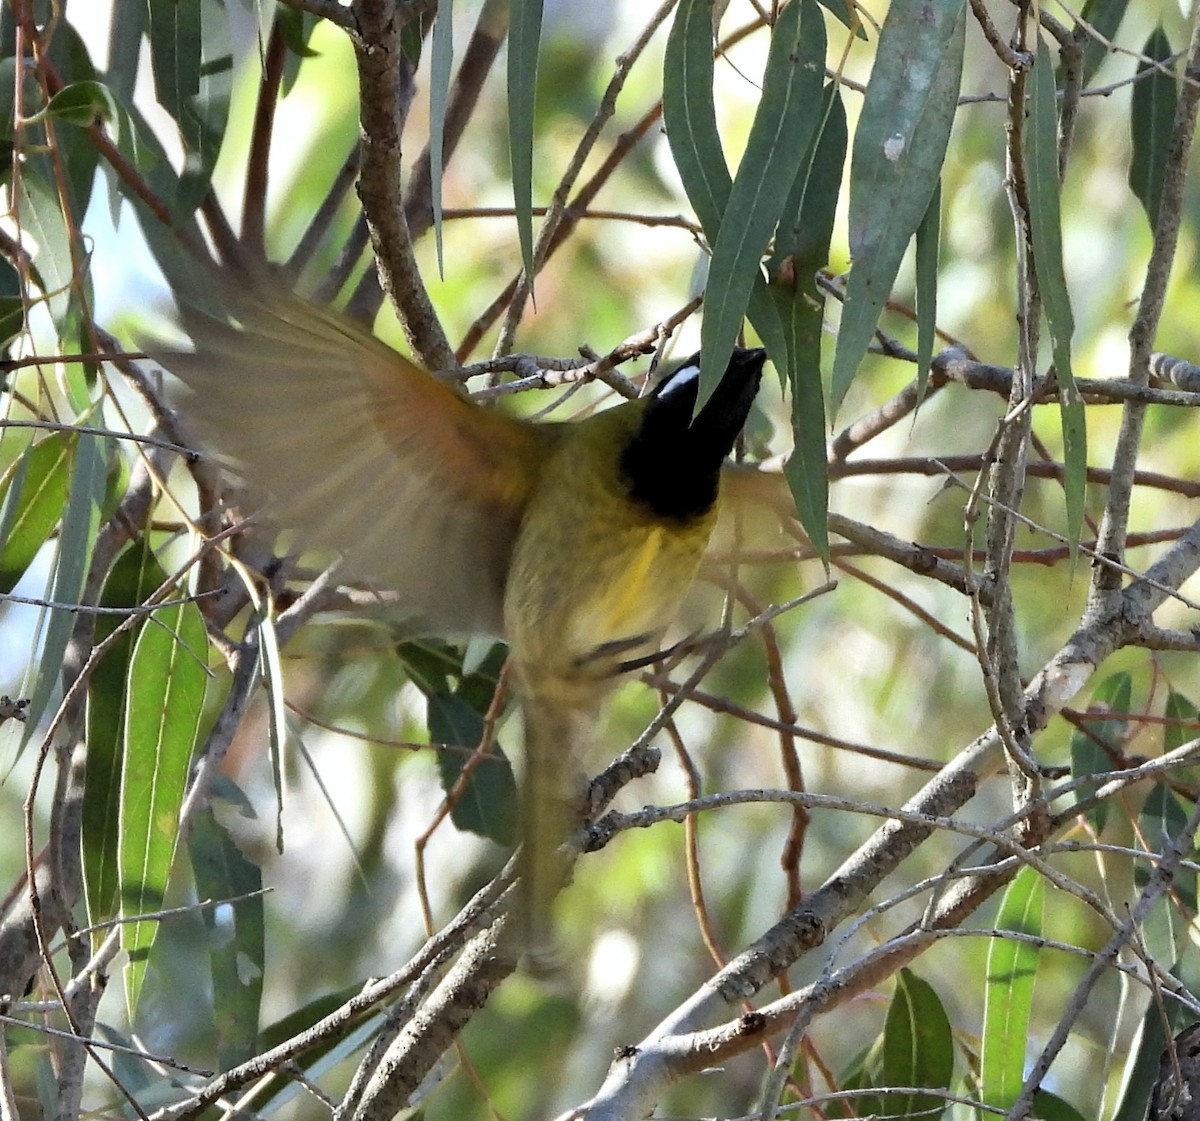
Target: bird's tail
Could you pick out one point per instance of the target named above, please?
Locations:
(551, 807)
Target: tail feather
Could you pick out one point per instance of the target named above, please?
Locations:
(552, 796)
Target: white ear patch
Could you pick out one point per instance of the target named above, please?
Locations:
(681, 377)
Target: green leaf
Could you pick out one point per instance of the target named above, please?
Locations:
(524, 36)
(918, 1049)
(1102, 739)
(33, 492)
(898, 152)
(42, 218)
(124, 47)
(175, 44)
(134, 576)
(1011, 973)
(863, 1072)
(83, 104)
(801, 249)
(1165, 929)
(783, 124)
(1151, 119)
(77, 535)
(928, 235)
(1050, 1107)
(456, 702)
(237, 944)
(164, 699)
(690, 115)
(1041, 166)
(487, 805)
(1102, 18)
(690, 120)
(1141, 1064)
(441, 60)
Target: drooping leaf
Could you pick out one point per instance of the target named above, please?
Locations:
(918, 1049)
(77, 535)
(1008, 1002)
(165, 695)
(801, 249)
(1151, 118)
(237, 944)
(690, 120)
(779, 136)
(1094, 748)
(524, 38)
(1045, 223)
(441, 61)
(1102, 18)
(898, 150)
(32, 493)
(124, 46)
(928, 236)
(134, 576)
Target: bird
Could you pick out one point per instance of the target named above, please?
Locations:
(575, 542)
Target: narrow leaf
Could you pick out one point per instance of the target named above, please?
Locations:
(524, 36)
(1011, 973)
(1101, 18)
(779, 135)
(441, 60)
(690, 120)
(33, 491)
(690, 115)
(237, 944)
(928, 235)
(801, 249)
(1041, 165)
(77, 535)
(134, 576)
(918, 1049)
(165, 695)
(1151, 117)
(1101, 740)
(898, 152)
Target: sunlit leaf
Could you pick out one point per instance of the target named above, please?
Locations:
(164, 697)
(1008, 1002)
(134, 576)
(32, 491)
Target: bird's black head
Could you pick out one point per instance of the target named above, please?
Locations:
(673, 464)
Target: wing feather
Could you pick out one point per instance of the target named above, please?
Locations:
(361, 451)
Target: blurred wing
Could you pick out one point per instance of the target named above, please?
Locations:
(361, 451)
(756, 521)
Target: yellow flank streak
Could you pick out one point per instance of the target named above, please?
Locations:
(631, 588)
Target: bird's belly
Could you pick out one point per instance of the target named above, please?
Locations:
(633, 600)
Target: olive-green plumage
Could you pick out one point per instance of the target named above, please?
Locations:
(574, 542)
